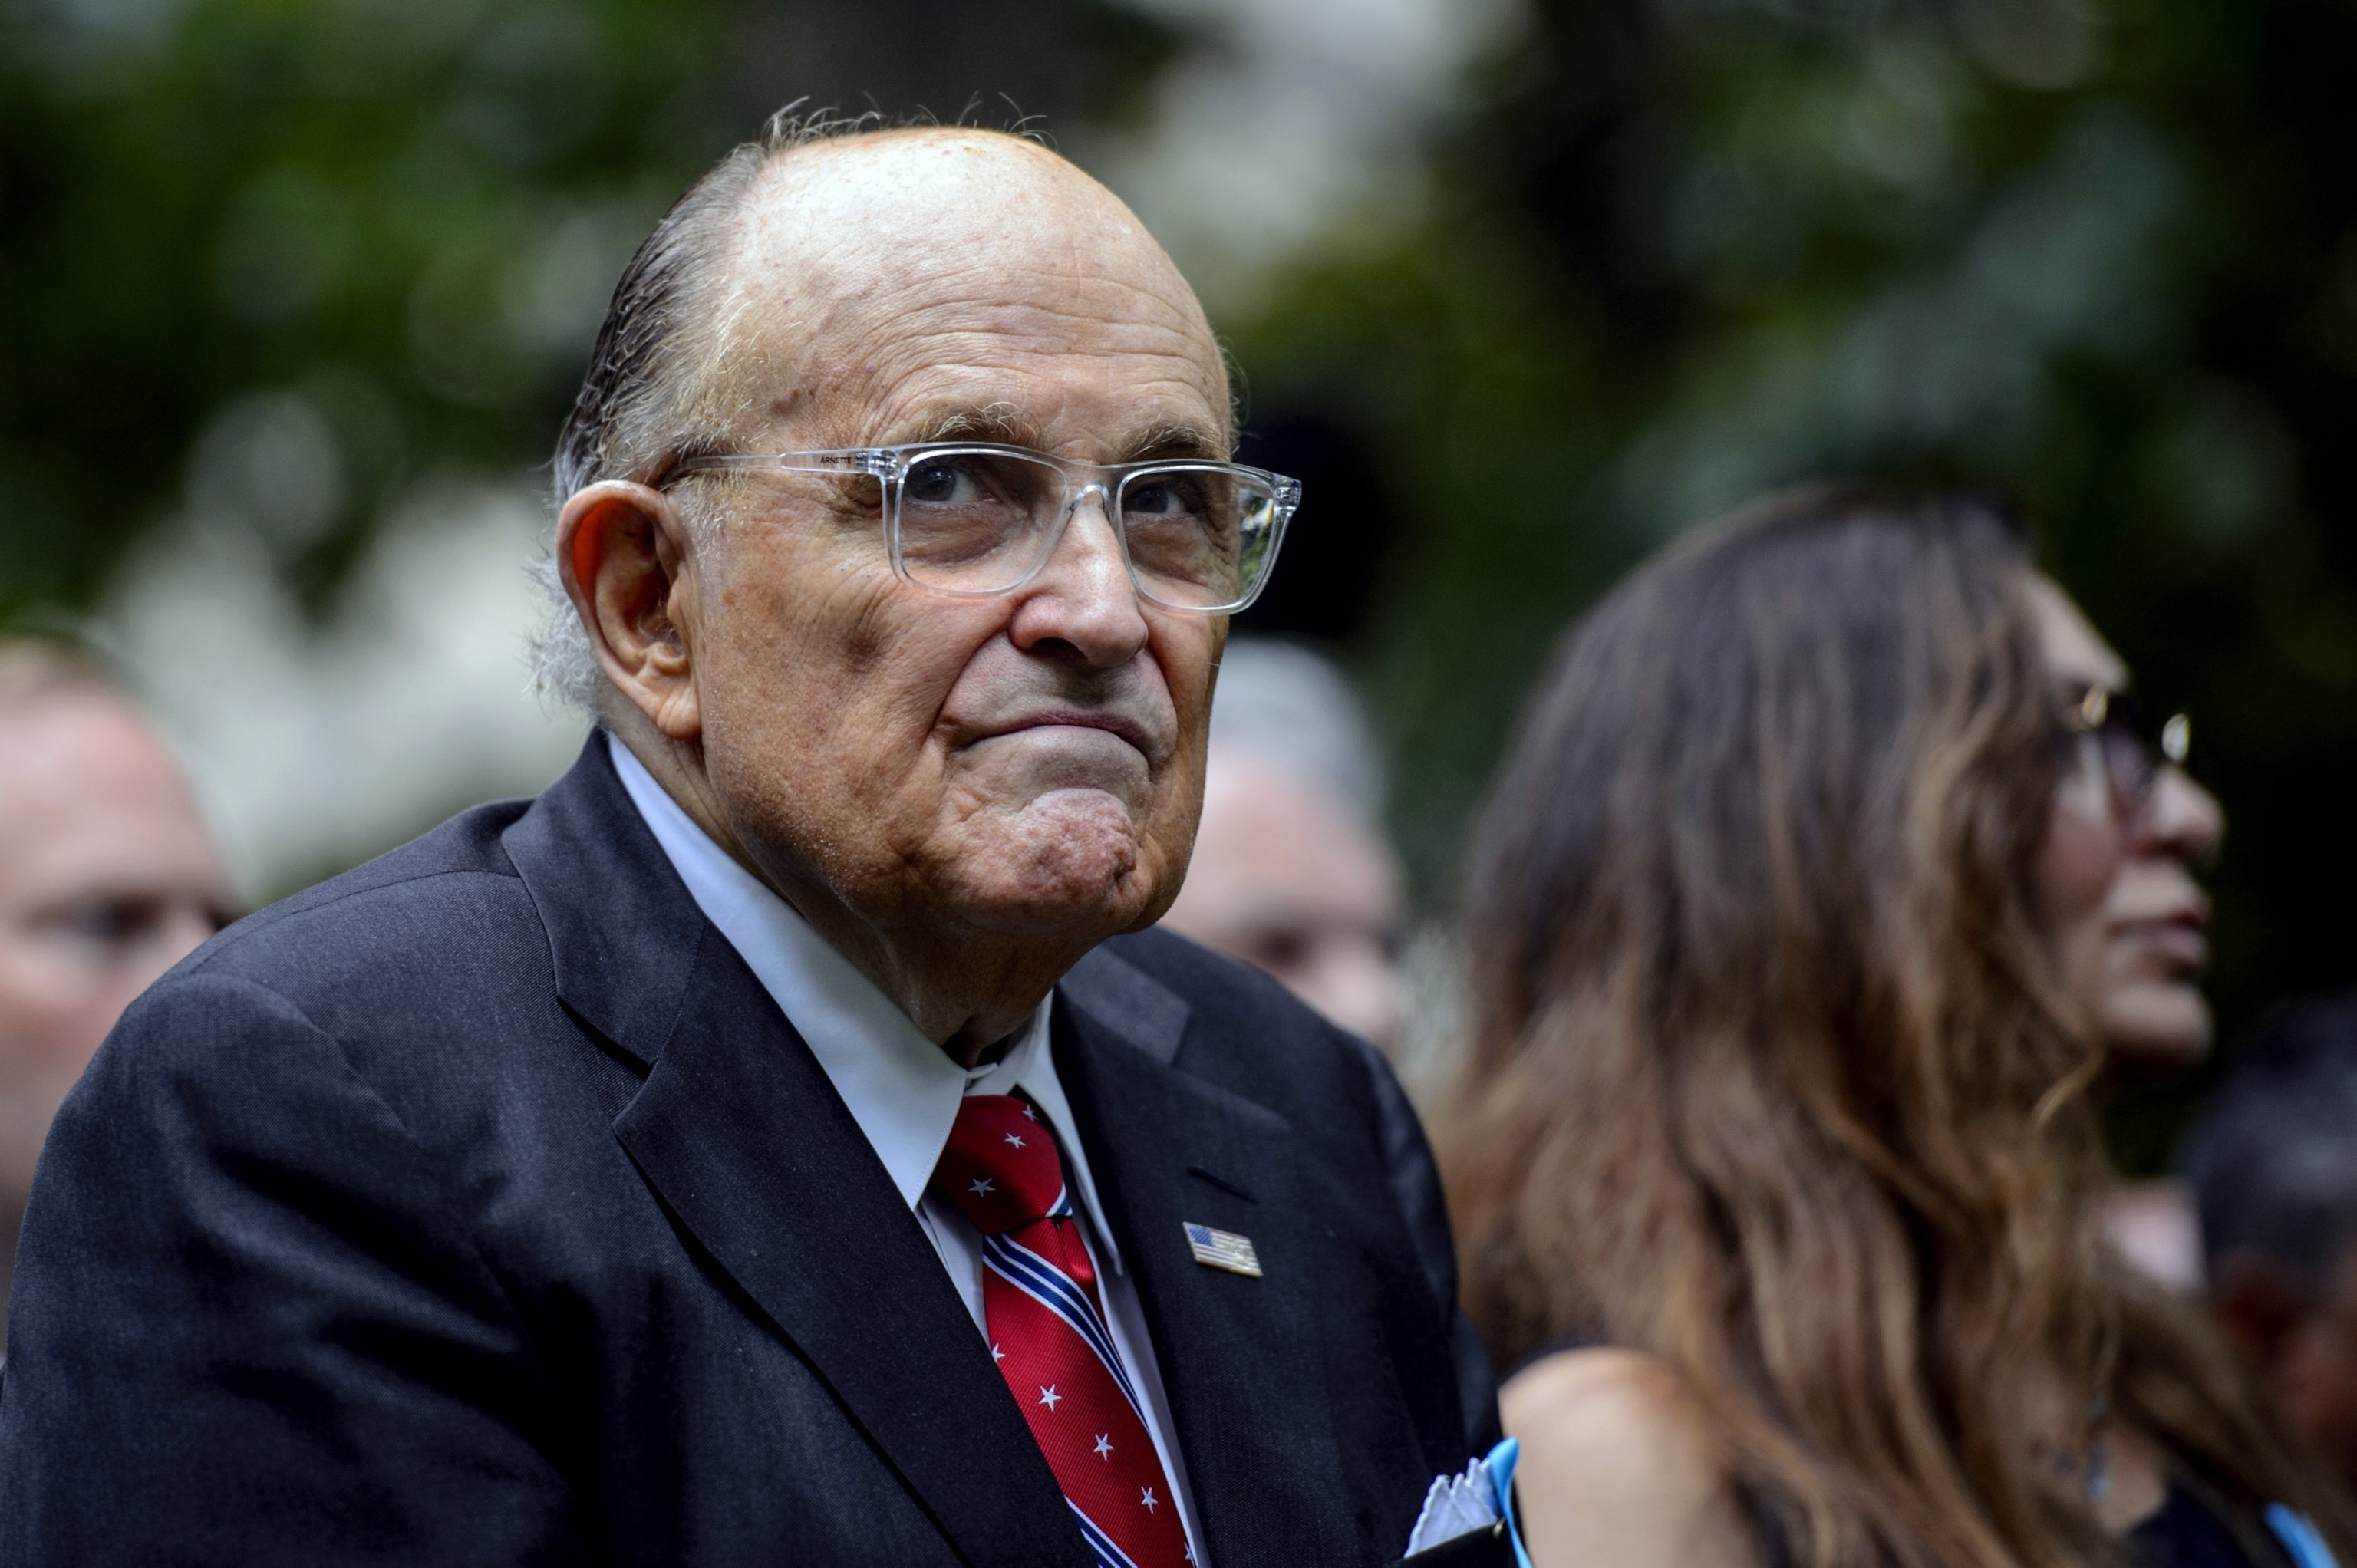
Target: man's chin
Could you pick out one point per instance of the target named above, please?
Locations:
(1067, 864)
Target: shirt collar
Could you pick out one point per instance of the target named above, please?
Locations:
(900, 1087)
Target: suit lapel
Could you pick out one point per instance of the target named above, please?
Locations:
(1238, 1356)
(749, 1146)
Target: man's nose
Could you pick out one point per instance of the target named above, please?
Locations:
(2184, 819)
(1083, 599)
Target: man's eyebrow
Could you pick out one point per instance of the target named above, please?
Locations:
(1003, 423)
(1008, 426)
(1175, 441)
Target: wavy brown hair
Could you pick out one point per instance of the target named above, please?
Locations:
(1769, 1076)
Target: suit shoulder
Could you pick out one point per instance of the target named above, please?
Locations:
(450, 881)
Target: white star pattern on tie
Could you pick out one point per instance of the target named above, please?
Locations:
(1045, 1315)
(980, 1186)
(996, 1354)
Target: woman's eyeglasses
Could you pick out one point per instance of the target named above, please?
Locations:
(2113, 724)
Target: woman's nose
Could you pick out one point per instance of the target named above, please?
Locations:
(2184, 819)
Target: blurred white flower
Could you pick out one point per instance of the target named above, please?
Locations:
(1293, 114)
(314, 746)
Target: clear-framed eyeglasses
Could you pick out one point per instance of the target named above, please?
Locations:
(978, 519)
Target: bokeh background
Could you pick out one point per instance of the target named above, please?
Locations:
(294, 293)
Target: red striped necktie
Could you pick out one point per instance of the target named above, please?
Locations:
(1047, 1325)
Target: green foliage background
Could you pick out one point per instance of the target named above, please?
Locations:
(405, 211)
(1666, 253)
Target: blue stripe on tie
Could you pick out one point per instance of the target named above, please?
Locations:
(1052, 1288)
(1101, 1545)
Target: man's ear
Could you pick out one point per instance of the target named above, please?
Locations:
(621, 552)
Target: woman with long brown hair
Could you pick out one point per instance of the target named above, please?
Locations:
(1773, 1160)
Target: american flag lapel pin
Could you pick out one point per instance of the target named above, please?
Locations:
(1222, 1250)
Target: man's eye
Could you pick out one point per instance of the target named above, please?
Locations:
(1278, 949)
(1164, 498)
(942, 484)
(1151, 500)
(108, 922)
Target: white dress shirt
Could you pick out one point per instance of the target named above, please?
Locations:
(901, 1088)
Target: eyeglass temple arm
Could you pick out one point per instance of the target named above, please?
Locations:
(843, 460)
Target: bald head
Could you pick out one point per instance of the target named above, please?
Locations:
(802, 265)
(881, 255)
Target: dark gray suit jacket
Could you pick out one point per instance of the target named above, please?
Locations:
(479, 1207)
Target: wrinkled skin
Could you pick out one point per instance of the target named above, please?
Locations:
(962, 795)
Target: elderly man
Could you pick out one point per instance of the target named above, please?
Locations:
(755, 1149)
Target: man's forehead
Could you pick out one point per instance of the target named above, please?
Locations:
(54, 742)
(83, 765)
(934, 281)
(1145, 433)
(926, 184)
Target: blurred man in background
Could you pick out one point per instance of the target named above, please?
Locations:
(107, 879)
(1291, 873)
(2273, 1163)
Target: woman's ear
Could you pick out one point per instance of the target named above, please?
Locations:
(622, 552)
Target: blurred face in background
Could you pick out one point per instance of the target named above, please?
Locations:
(2116, 884)
(107, 879)
(1290, 878)
(2305, 1343)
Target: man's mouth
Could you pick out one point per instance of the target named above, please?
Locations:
(1118, 726)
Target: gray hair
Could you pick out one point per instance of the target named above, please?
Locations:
(1291, 707)
(649, 398)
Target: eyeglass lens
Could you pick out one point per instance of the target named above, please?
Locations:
(2131, 761)
(1199, 536)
